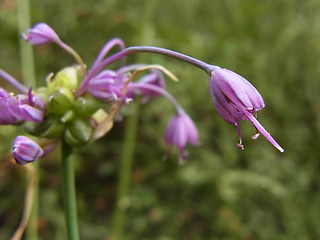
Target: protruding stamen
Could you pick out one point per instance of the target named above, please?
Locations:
(239, 145)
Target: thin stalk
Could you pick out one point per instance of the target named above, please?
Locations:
(74, 54)
(29, 78)
(26, 51)
(159, 90)
(69, 191)
(125, 172)
(139, 49)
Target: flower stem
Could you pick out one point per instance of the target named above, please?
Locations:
(74, 54)
(69, 191)
(180, 56)
(159, 90)
(125, 173)
(131, 50)
(27, 58)
(29, 78)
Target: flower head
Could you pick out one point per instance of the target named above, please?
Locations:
(180, 131)
(41, 34)
(236, 99)
(25, 150)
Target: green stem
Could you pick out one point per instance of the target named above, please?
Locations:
(26, 51)
(125, 172)
(69, 191)
(28, 73)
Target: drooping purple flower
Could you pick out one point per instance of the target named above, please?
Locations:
(237, 99)
(41, 34)
(107, 86)
(155, 78)
(14, 110)
(25, 150)
(180, 131)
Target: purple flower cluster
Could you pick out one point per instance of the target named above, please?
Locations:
(69, 106)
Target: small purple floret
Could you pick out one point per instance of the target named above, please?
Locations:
(180, 131)
(25, 150)
(41, 34)
(237, 99)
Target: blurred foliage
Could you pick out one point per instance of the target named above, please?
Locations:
(222, 192)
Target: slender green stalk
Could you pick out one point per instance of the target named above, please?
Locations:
(125, 173)
(69, 191)
(28, 72)
(27, 58)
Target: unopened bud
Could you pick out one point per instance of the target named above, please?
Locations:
(25, 150)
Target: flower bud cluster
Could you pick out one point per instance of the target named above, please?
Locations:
(66, 116)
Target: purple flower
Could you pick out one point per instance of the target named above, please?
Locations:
(25, 150)
(107, 86)
(236, 99)
(15, 110)
(180, 131)
(41, 34)
(155, 78)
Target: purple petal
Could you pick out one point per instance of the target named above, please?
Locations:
(264, 132)
(31, 114)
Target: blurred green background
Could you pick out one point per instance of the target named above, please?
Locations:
(222, 192)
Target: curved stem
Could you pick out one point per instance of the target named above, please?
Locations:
(193, 61)
(130, 50)
(75, 55)
(107, 47)
(160, 91)
(69, 191)
(28, 204)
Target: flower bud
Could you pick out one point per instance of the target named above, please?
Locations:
(180, 131)
(87, 106)
(41, 34)
(236, 99)
(60, 101)
(25, 150)
(66, 78)
(78, 132)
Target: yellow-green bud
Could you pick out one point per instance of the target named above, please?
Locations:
(78, 132)
(60, 101)
(87, 106)
(66, 78)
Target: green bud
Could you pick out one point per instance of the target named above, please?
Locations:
(87, 106)
(67, 117)
(60, 101)
(78, 132)
(66, 78)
